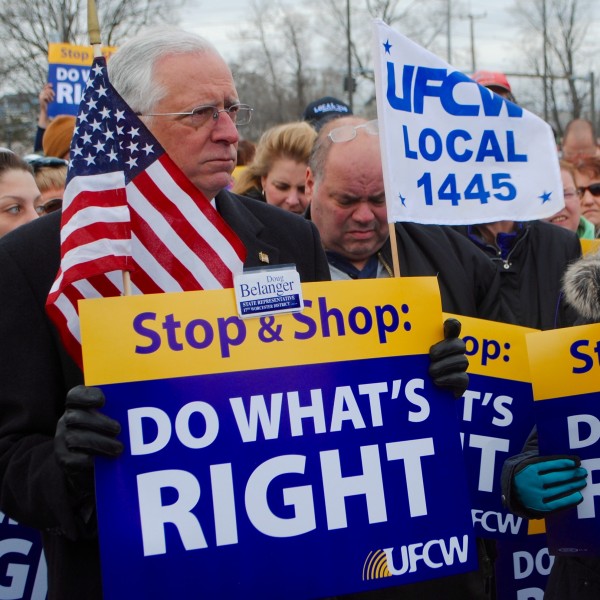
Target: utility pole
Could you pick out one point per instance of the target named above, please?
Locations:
(592, 99)
(449, 32)
(545, 51)
(472, 18)
(349, 79)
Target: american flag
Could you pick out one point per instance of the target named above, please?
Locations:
(128, 207)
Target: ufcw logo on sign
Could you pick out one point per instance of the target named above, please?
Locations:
(376, 566)
(433, 554)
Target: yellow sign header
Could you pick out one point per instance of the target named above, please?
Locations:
(565, 362)
(162, 336)
(69, 54)
(495, 349)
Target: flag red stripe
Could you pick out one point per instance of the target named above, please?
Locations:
(144, 282)
(161, 253)
(93, 232)
(205, 206)
(110, 198)
(106, 288)
(186, 230)
(68, 339)
(87, 270)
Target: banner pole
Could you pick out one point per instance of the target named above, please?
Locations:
(96, 43)
(394, 244)
(94, 28)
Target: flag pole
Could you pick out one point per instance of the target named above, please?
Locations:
(394, 244)
(96, 43)
(94, 28)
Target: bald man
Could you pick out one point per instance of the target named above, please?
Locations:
(579, 141)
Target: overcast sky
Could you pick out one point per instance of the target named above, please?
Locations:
(220, 21)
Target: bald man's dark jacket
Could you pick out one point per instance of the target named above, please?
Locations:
(469, 286)
(36, 373)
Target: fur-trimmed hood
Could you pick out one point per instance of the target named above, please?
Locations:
(581, 285)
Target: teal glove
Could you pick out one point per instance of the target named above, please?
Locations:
(548, 483)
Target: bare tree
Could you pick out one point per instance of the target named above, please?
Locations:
(294, 55)
(28, 26)
(421, 20)
(275, 71)
(561, 54)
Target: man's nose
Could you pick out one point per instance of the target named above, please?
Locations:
(363, 213)
(224, 130)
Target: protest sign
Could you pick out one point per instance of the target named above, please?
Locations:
(496, 417)
(589, 246)
(303, 455)
(565, 369)
(453, 151)
(68, 71)
(23, 571)
(522, 568)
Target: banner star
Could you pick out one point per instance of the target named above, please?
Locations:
(387, 46)
(545, 197)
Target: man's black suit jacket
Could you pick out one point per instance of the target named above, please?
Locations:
(36, 373)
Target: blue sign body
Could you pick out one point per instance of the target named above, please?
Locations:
(68, 82)
(496, 417)
(23, 571)
(522, 568)
(571, 425)
(297, 482)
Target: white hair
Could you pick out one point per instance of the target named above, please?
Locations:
(131, 67)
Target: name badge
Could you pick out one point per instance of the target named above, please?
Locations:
(265, 291)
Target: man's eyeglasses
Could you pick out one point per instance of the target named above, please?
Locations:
(240, 114)
(594, 189)
(49, 207)
(346, 133)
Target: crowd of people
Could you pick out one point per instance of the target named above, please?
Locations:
(327, 169)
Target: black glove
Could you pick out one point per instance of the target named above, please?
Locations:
(448, 360)
(82, 433)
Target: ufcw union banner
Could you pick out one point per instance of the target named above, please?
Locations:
(454, 152)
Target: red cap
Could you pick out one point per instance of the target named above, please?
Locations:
(491, 79)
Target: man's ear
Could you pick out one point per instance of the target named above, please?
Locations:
(309, 186)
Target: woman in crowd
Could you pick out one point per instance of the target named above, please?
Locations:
(570, 216)
(278, 171)
(19, 193)
(50, 176)
(587, 178)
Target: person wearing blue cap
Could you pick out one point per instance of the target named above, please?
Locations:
(323, 110)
